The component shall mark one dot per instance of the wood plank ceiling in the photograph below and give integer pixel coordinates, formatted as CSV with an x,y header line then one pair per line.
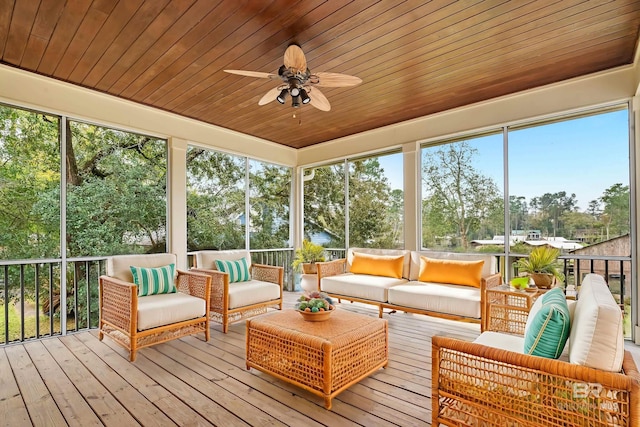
x,y
415,57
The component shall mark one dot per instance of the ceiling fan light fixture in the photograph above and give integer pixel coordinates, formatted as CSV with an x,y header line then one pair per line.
x,y
295,101
283,96
304,96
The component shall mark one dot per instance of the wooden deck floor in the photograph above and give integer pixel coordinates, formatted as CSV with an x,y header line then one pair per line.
x,y
81,381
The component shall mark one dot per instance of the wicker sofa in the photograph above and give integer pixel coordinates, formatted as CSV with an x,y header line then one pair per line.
x,y
491,381
408,293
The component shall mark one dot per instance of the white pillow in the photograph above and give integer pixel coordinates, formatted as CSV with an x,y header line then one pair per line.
x,y
596,339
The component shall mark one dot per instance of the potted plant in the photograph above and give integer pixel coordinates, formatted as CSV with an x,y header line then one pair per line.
x,y
542,266
307,256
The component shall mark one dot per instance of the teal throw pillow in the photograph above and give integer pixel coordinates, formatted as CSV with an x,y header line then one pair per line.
x,y
152,281
549,329
238,270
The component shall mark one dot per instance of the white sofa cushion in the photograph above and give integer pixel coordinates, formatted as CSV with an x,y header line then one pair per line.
x,y
207,259
596,339
118,266
502,341
252,292
360,286
389,252
488,268
510,342
450,299
166,309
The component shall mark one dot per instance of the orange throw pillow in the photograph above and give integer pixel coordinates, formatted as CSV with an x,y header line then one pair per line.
x,y
377,265
467,273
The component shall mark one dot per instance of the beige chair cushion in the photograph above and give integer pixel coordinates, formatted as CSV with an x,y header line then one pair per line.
x,y
510,342
449,299
502,341
206,259
119,266
166,309
488,268
390,252
360,286
596,339
251,292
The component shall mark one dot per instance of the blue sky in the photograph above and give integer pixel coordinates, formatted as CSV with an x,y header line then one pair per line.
x,y
584,156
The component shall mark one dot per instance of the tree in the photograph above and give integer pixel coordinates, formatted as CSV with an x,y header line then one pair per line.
x,y
215,200
615,215
551,209
29,168
372,209
270,187
324,202
462,196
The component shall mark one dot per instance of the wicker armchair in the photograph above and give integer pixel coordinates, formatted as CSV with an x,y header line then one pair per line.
x,y
232,302
163,317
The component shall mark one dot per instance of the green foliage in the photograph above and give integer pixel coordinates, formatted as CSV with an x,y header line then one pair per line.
x,y
458,198
375,210
542,259
216,202
309,252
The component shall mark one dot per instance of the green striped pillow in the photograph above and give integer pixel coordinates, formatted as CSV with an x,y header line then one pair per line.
x,y
152,281
550,326
238,270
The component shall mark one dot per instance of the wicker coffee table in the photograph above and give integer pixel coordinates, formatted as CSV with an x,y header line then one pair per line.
x,y
322,357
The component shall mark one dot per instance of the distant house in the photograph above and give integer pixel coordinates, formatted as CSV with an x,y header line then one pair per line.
x,y
616,247
532,238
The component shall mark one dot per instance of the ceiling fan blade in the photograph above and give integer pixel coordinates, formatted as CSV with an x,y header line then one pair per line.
x,y
336,80
258,74
318,99
294,58
269,96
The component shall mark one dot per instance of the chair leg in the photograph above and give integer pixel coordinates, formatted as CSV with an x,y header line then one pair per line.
x,y
132,355
225,324
207,333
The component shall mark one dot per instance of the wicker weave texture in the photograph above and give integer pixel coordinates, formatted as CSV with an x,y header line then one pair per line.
x,y
507,311
322,357
267,273
331,268
481,386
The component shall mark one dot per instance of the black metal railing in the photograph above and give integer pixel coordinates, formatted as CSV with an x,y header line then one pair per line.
x,y
616,270
34,303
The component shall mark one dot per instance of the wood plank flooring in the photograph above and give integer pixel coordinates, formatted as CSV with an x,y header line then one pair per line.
x,y
78,380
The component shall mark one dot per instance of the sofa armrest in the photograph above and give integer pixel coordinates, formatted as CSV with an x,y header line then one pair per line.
x,y
268,273
331,268
219,288
118,303
194,284
471,380
492,281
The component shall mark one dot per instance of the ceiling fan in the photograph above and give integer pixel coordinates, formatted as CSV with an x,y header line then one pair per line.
x,y
298,81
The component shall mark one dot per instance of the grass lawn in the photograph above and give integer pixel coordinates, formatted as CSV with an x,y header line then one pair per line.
x,y
29,324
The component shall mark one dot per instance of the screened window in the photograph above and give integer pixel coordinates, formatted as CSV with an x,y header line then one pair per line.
x,y
116,191
29,184
324,205
462,197
376,202
216,217
269,202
